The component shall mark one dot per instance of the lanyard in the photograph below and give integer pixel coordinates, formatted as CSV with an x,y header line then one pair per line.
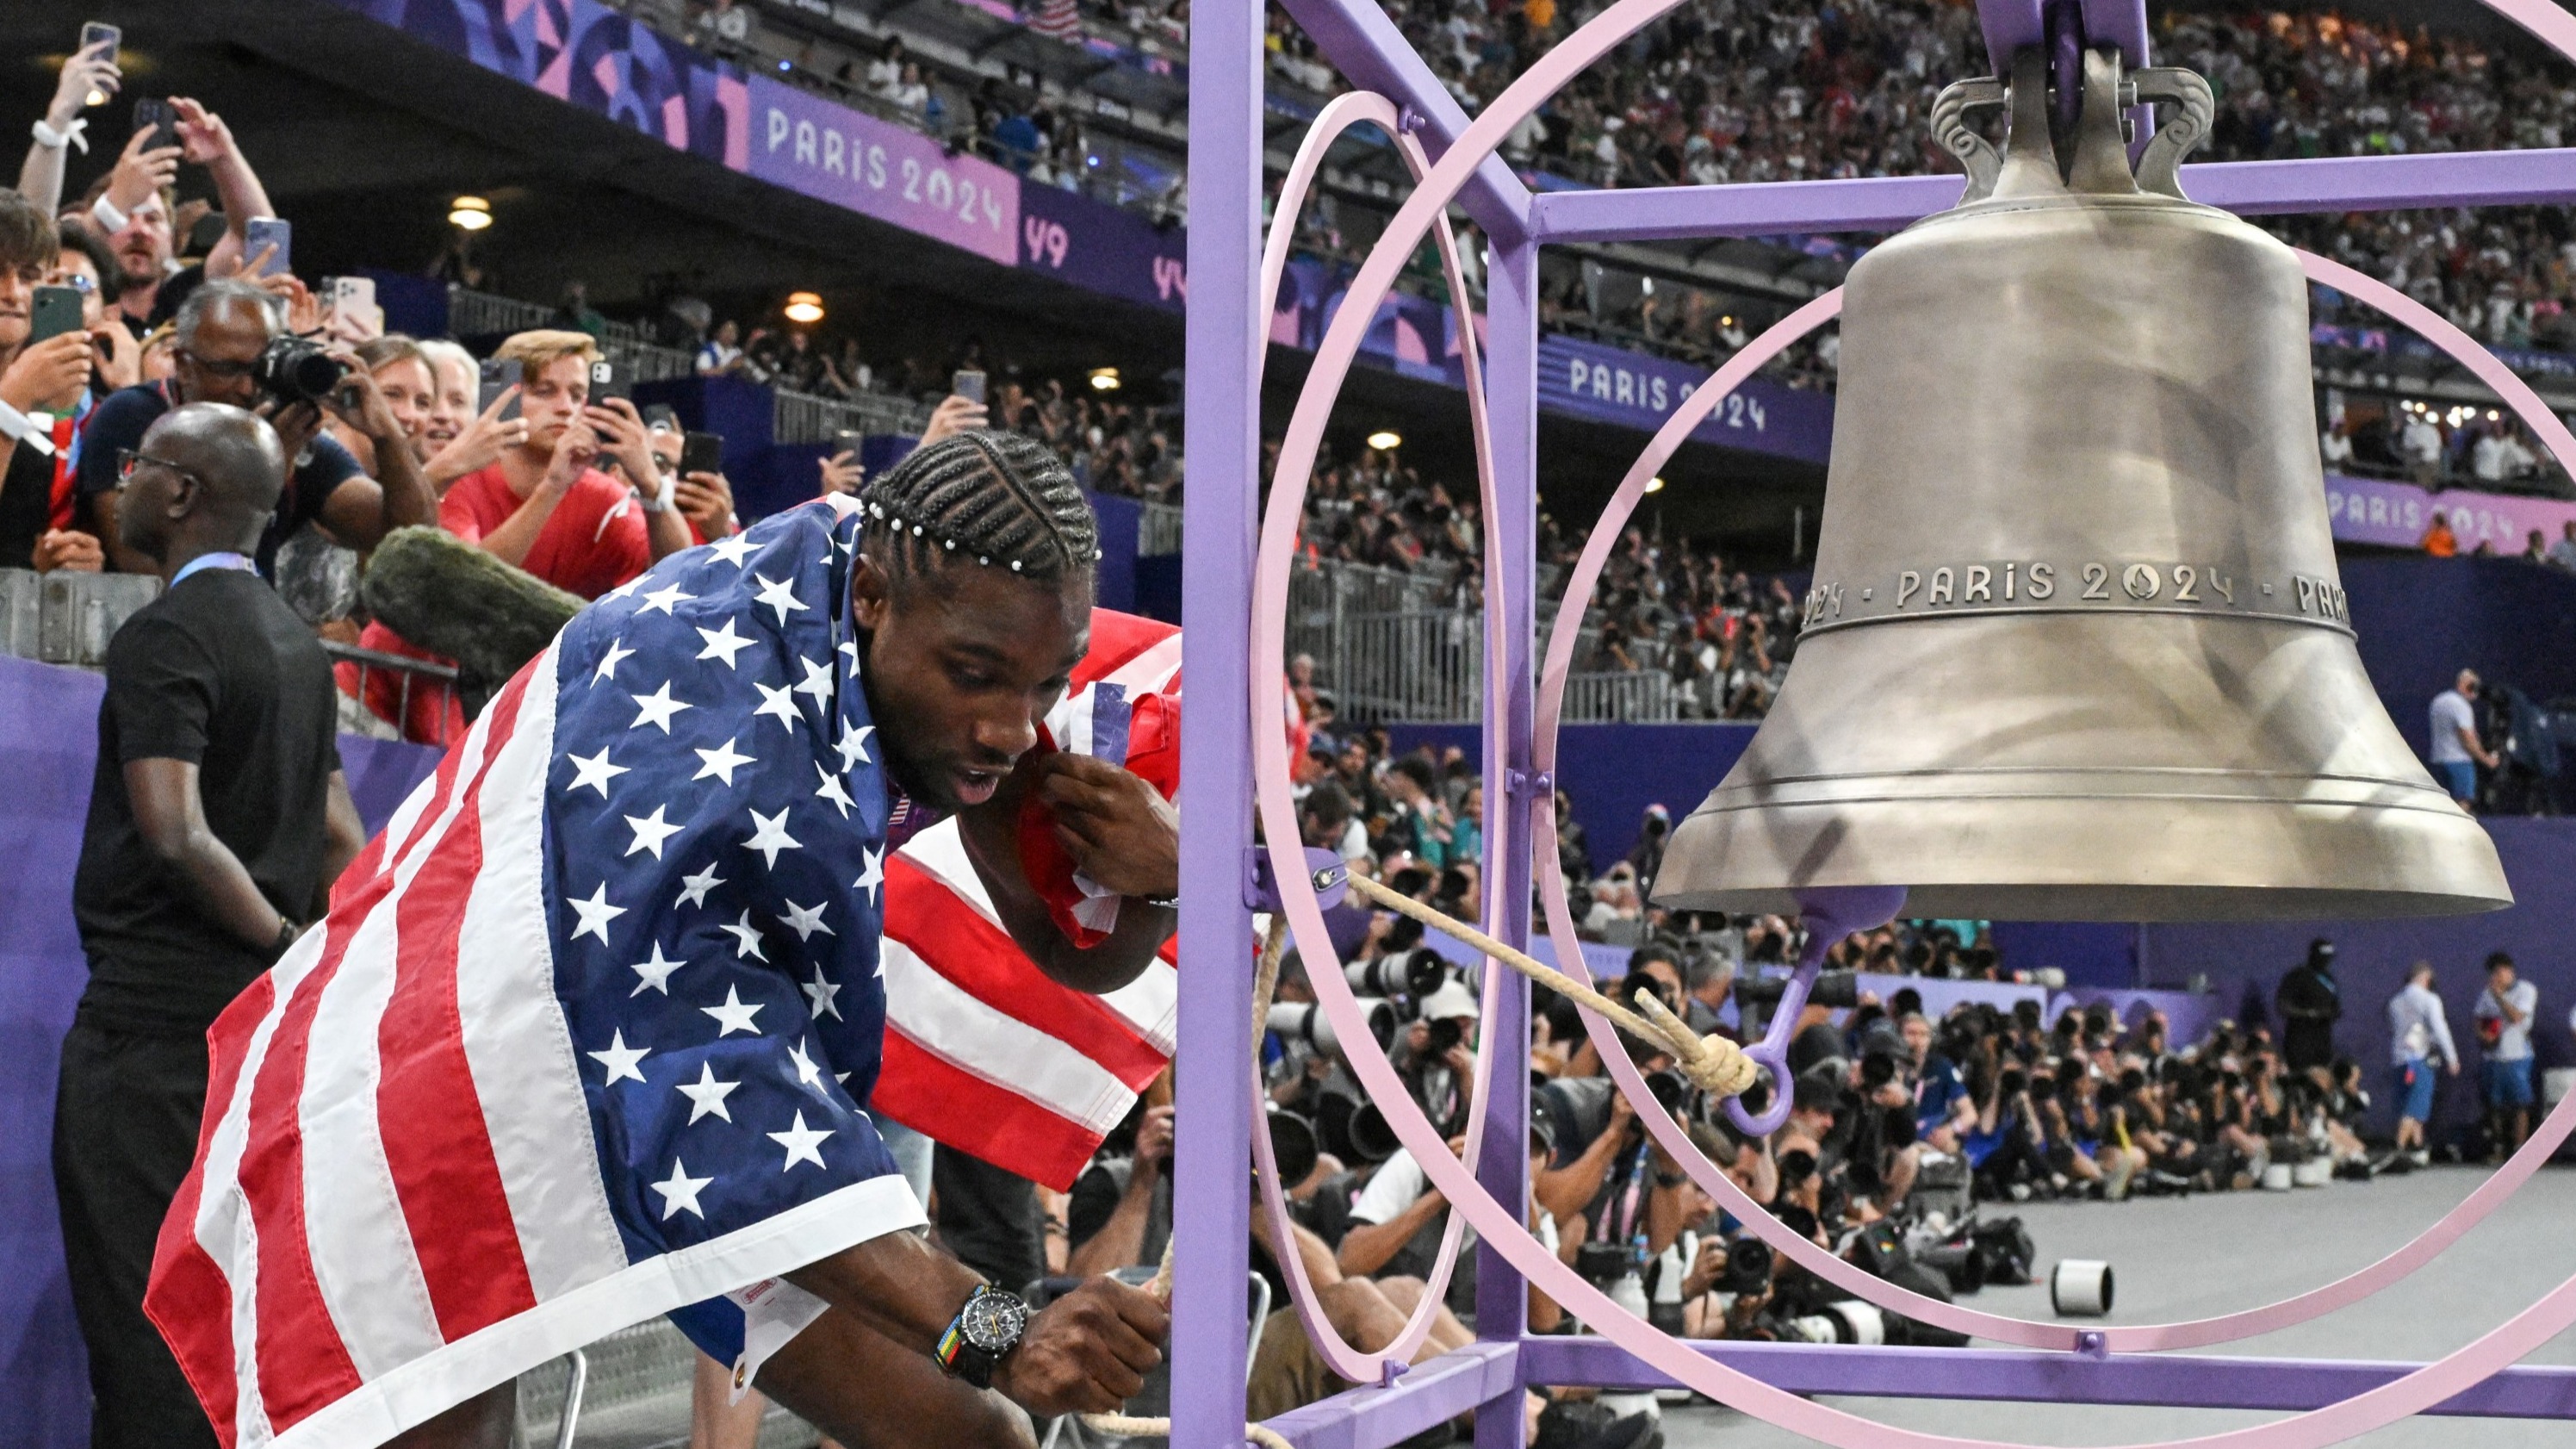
x,y
217,560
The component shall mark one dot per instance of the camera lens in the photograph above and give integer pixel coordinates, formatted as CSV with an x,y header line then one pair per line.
x,y
296,369
1748,1265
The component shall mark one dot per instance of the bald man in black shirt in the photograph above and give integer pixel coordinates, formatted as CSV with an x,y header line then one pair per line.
x,y
218,819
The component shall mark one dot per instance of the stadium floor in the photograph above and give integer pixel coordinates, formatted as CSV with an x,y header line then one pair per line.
x,y
2175,1258
2190,1258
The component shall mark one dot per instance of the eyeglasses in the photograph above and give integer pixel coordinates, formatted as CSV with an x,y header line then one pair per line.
x,y
214,367
129,459
80,282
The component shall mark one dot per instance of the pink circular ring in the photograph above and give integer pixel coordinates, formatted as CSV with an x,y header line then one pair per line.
x,y
1354,1365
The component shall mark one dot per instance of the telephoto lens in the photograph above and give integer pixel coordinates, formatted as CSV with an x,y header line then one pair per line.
x,y
296,369
1371,1139
1415,973
1306,1022
1292,1145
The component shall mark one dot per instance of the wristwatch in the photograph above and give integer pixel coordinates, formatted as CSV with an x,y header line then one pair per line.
x,y
982,1335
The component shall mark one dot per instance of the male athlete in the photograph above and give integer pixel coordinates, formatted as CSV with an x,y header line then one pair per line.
x,y
573,1048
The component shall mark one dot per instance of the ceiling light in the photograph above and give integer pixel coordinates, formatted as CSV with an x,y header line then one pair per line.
x,y
1655,484
469,213
1104,379
804,307
1385,440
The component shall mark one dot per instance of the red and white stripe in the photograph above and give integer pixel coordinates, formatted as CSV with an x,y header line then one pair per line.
x,y
983,1051
362,1245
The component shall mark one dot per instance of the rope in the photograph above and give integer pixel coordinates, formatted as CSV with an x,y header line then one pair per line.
x,y
1714,1064
1265,983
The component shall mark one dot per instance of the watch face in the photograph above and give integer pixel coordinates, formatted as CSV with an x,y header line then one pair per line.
x,y
993,1321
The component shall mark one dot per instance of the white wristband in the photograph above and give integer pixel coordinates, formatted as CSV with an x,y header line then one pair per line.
x,y
36,430
109,219
71,135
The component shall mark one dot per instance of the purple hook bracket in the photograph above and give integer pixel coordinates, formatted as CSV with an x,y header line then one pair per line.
x,y
1325,867
1830,913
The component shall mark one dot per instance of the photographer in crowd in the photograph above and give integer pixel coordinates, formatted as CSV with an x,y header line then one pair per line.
x,y
234,348
2503,1015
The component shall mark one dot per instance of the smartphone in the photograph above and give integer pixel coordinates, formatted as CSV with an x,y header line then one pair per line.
x,y
98,37
607,380
55,311
846,441
968,384
158,117
262,232
498,377
202,237
701,453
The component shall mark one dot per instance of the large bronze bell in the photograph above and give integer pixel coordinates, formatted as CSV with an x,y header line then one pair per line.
x,y
2076,648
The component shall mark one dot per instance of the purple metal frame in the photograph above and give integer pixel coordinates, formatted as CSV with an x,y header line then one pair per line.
x,y
1225,333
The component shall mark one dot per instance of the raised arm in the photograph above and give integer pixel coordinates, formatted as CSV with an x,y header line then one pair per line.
x,y
40,179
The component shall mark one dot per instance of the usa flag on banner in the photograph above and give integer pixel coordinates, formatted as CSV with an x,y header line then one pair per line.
x,y
983,1050
585,1035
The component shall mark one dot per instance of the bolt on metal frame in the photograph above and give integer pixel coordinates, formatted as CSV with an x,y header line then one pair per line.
x,y
1226,335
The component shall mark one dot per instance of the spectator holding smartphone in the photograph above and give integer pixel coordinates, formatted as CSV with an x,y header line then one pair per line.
x,y
542,506
132,207
89,71
42,384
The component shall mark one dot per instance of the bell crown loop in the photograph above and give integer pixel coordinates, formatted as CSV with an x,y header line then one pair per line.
x,y
2032,166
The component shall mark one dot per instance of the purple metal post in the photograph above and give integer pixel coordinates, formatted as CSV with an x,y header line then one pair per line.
x,y
1222,434
2199,1381
1511,390
2253,188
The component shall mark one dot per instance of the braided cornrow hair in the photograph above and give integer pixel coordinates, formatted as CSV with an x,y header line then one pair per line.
x,y
1001,500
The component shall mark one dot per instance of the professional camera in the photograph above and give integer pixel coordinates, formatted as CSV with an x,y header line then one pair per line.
x,y
1849,1320
1368,1136
1672,1090
1306,1022
296,369
1876,1070
1443,1035
1292,1146
1415,973
1748,1266
1603,1264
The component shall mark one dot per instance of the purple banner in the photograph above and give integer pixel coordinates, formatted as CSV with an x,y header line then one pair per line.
x,y
2376,510
589,56
1607,384
584,54
878,169
1102,248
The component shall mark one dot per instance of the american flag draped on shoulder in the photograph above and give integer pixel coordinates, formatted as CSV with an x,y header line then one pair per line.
x,y
584,1037
983,1050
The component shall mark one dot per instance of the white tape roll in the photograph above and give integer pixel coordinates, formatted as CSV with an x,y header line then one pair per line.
x,y
2080,1288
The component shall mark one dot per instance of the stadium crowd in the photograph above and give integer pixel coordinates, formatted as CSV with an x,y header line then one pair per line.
x,y
1726,91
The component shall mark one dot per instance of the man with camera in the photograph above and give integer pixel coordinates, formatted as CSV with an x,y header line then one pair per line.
x,y
233,348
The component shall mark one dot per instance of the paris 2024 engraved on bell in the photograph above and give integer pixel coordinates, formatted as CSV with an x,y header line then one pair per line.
x,y
2076,649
